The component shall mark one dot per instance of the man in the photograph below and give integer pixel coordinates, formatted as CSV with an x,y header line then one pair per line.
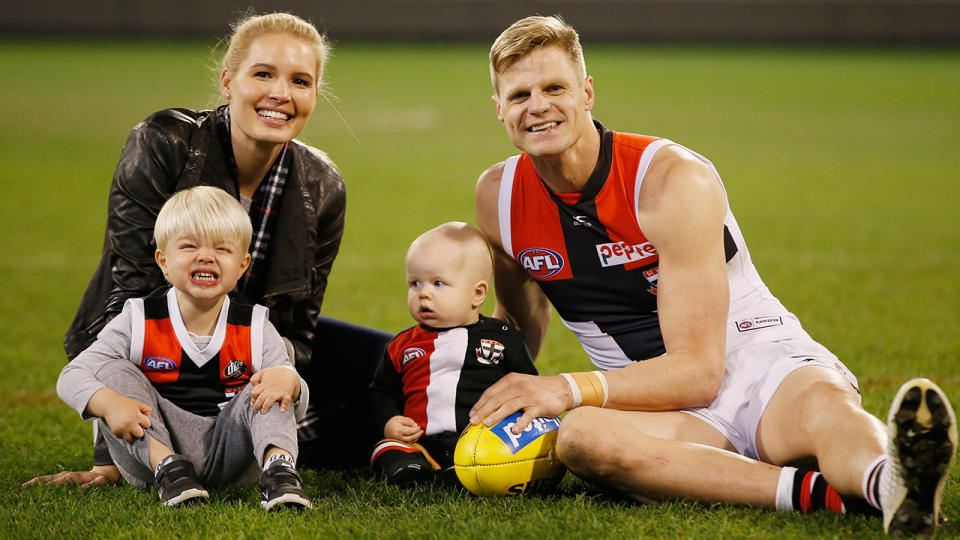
x,y
709,385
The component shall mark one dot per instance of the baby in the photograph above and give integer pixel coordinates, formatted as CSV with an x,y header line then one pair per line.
x,y
433,373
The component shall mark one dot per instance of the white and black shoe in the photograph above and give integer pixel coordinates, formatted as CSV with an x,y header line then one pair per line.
x,y
922,440
280,485
177,482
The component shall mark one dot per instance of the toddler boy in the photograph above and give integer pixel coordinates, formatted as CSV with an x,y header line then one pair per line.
x,y
193,389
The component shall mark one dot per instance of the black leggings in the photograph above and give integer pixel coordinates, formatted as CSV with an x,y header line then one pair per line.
x,y
338,429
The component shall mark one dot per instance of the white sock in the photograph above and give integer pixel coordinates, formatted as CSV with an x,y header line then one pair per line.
x,y
871,481
785,489
275,457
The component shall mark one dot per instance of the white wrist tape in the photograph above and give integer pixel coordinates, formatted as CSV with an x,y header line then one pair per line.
x,y
574,389
606,389
588,388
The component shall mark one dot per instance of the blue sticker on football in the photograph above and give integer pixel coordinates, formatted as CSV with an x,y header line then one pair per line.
x,y
516,442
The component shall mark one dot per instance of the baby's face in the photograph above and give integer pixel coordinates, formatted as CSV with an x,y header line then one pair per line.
x,y
442,288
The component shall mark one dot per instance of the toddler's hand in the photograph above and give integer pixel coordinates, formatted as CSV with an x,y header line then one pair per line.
x,y
279,384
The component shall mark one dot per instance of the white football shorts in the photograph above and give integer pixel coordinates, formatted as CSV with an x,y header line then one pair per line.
x,y
752,374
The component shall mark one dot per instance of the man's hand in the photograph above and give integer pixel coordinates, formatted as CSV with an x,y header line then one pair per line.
x,y
536,395
100,475
402,428
278,384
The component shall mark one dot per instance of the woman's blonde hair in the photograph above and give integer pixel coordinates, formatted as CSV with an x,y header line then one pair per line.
x,y
205,212
249,28
530,34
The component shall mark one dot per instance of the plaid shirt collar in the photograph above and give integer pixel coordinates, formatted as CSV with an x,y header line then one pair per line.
x,y
263,209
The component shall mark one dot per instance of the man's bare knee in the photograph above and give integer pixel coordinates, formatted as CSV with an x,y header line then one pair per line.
x,y
824,403
576,442
588,451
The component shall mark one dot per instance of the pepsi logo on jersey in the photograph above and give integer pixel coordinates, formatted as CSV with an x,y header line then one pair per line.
x,y
540,262
158,363
616,253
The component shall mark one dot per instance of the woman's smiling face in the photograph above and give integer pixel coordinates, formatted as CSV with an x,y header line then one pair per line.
x,y
273,92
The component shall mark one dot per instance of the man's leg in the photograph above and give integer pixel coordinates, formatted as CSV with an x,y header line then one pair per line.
x,y
660,455
816,412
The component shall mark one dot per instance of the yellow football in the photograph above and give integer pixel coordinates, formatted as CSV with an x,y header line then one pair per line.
x,y
494,461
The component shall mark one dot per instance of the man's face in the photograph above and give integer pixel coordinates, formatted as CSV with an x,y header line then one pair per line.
x,y
544,102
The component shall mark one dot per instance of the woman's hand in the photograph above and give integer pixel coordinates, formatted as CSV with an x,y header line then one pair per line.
x,y
100,475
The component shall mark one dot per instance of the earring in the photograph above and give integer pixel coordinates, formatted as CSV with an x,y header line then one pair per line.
x,y
227,95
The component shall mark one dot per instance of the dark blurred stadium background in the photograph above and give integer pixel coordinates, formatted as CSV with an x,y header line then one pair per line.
x,y
935,22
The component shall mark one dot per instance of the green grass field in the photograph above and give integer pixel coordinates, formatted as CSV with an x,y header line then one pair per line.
x,y
841,166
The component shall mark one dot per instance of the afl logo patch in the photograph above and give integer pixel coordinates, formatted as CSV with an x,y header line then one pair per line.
x,y
412,354
755,323
234,370
158,363
540,262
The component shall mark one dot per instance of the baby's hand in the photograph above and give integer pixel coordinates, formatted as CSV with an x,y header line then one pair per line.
x,y
402,428
272,385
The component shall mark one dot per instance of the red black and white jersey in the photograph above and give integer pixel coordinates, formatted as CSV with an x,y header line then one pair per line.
x,y
435,376
199,381
590,257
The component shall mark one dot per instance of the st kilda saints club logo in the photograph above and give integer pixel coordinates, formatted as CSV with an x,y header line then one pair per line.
x,y
489,352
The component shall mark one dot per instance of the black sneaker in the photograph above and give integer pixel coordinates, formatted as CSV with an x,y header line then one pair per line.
x,y
401,463
922,434
177,482
280,484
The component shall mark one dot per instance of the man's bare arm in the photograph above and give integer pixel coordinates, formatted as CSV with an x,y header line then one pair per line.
x,y
519,299
681,211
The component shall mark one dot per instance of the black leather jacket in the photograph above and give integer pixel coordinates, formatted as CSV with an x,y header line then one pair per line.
x,y
176,149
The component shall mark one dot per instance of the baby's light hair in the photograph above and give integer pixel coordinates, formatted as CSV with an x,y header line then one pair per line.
x,y
206,212
475,246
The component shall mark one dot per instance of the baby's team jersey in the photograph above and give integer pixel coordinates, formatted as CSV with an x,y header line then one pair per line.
x,y
199,381
590,257
435,376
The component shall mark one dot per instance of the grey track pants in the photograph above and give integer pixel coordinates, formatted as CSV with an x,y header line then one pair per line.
x,y
224,449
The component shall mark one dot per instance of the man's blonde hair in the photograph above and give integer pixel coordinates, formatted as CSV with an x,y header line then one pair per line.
x,y
205,212
530,34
